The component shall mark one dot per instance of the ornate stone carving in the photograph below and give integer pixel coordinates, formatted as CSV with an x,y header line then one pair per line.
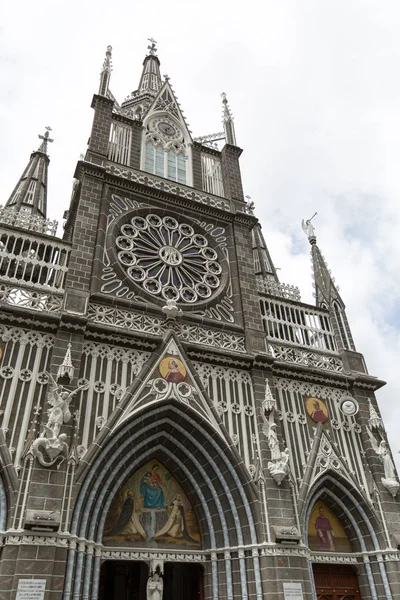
x,y
278,466
66,368
171,187
155,586
51,446
383,451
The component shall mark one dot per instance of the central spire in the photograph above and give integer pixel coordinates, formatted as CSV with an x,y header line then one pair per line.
x,y
149,85
150,80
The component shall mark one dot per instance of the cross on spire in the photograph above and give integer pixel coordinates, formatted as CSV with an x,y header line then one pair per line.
x,y
152,49
46,139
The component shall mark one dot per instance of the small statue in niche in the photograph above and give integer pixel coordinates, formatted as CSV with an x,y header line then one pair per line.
x,y
155,586
382,450
51,446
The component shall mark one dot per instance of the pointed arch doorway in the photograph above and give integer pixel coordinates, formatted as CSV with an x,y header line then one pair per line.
x,y
127,580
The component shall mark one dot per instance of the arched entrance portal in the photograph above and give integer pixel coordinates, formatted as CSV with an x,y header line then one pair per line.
x,y
336,582
127,580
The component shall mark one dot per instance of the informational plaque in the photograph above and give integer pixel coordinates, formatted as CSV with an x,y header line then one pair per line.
x,y
31,589
293,591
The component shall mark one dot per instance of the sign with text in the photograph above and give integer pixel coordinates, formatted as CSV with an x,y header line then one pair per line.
x,y
31,589
293,591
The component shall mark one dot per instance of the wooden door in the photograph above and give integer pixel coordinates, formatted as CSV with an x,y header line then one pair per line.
x,y
336,582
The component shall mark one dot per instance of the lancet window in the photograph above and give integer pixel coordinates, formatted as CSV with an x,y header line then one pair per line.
x,y
165,152
212,174
119,146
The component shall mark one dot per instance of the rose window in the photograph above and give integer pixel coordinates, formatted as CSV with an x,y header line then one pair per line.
x,y
168,259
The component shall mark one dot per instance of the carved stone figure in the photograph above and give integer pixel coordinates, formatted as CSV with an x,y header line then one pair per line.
x,y
382,450
59,412
269,430
155,586
280,468
50,446
49,450
308,228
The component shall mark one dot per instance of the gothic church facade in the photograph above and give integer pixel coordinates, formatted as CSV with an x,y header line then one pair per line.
x,y
176,423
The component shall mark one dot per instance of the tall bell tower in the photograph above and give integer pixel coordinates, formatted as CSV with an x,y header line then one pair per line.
x,y
177,423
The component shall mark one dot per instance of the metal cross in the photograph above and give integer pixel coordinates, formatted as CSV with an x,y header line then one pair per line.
x,y
152,48
46,137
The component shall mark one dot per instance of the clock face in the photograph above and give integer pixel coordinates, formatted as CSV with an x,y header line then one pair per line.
x,y
167,129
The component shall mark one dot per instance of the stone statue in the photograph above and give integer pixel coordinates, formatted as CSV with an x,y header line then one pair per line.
x,y
308,228
155,586
59,412
280,468
382,450
52,446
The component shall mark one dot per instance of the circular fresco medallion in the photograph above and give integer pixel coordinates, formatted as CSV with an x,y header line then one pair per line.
x,y
317,410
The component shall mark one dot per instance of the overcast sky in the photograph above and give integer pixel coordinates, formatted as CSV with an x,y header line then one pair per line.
x,y
314,87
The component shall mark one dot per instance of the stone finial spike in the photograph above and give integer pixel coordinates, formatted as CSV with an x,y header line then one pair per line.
x,y
374,421
106,73
269,402
45,140
227,120
66,368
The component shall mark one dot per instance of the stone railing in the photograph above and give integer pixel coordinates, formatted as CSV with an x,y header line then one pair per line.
x,y
33,269
24,220
299,325
275,288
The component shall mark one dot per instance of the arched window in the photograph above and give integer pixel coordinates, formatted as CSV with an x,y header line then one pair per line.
x,y
165,151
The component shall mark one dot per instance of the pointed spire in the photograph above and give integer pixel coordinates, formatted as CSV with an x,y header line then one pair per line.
x,y
374,421
30,193
263,265
66,369
326,291
150,81
149,85
227,120
106,73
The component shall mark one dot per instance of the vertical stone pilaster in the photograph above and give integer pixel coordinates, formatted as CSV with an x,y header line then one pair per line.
x,y
231,172
99,137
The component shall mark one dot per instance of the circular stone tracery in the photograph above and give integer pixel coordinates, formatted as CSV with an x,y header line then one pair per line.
x,y
168,258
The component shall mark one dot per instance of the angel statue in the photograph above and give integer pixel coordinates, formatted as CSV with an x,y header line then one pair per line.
x,y
382,450
155,586
59,399
308,227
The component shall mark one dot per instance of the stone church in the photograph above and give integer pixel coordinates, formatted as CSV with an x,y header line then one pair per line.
x,y
176,423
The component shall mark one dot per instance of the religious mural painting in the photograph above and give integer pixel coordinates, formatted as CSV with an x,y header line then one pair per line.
x,y
325,532
172,369
317,410
151,509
